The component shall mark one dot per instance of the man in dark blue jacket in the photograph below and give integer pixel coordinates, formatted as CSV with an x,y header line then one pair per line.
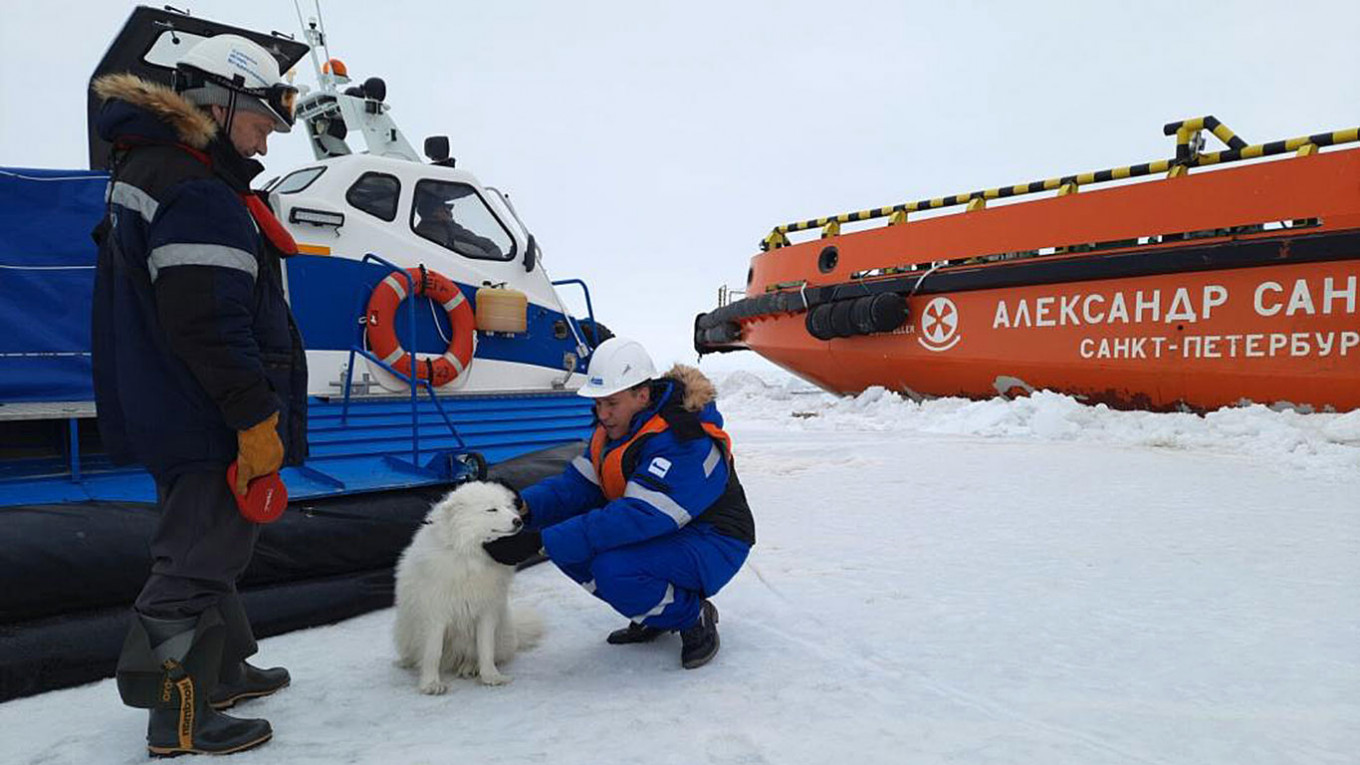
x,y
652,518
197,364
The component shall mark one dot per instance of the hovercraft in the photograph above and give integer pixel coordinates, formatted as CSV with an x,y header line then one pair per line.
x,y
436,353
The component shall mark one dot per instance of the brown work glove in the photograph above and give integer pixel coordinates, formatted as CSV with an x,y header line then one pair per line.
x,y
259,452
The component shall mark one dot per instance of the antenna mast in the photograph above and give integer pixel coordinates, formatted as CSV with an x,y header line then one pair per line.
x,y
316,37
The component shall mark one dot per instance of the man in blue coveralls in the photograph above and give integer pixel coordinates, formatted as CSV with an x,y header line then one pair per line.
x,y
651,518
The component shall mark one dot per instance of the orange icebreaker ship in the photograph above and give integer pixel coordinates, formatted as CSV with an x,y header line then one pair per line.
x,y
1190,290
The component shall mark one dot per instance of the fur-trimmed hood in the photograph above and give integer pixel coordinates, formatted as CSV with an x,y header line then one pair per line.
x,y
685,398
699,390
189,124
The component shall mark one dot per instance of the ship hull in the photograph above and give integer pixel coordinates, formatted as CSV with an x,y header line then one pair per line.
x,y
1189,293
1269,334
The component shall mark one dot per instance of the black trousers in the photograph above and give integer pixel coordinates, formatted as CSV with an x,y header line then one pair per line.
x,y
200,549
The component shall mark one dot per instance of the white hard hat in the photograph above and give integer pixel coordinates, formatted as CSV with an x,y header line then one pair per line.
x,y
207,72
617,364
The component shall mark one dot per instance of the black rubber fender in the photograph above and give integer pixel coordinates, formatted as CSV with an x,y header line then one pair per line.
x,y
886,311
818,322
841,323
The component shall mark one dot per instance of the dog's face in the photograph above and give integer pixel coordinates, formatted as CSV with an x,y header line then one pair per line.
x,y
477,512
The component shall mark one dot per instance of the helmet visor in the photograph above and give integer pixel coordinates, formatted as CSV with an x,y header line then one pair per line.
x,y
282,101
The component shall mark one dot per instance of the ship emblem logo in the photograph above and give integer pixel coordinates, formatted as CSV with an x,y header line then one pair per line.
x,y
939,325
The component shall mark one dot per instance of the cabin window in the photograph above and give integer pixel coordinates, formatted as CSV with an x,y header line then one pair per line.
x,y
454,216
375,194
299,180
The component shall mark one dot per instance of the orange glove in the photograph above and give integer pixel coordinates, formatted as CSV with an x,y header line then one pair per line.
x,y
259,452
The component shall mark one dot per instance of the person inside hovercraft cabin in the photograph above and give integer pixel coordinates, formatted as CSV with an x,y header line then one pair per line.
x,y
435,222
197,365
651,518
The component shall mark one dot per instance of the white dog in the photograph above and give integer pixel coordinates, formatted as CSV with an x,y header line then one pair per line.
x,y
452,598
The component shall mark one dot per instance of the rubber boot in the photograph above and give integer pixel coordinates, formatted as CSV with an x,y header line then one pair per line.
x,y
634,633
243,680
700,640
238,679
170,666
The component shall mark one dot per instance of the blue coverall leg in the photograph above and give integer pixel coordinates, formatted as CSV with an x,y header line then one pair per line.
x,y
662,582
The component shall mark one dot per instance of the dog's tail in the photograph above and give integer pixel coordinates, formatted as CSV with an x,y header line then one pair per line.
x,y
528,626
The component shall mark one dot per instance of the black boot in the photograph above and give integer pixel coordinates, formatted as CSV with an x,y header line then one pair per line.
x,y
170,666
700,640
240,680
634,633
246,681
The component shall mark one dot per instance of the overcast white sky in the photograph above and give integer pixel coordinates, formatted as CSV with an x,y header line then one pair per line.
x,y
651,145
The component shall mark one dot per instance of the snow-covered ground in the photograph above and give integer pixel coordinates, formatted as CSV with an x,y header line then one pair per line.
x,y
1028,581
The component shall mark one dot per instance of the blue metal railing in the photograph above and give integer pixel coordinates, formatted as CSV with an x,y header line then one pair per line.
x,y
357,347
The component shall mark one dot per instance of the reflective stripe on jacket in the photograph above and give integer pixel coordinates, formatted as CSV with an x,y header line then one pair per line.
x,y
192,337
673,469
608,463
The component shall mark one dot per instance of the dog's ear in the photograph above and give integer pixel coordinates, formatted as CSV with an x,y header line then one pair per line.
x,y
506,484
518,501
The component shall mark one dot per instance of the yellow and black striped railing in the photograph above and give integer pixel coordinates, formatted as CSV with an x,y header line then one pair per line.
x,y
1187,155
1187,131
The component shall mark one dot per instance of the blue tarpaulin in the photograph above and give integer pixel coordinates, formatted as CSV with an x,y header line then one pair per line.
x,y
47,261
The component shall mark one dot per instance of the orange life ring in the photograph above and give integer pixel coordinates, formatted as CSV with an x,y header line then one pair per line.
x,y
382,325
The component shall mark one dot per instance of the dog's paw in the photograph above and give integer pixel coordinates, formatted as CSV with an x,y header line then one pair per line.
x,y
496,679
465,670
433,687
403,662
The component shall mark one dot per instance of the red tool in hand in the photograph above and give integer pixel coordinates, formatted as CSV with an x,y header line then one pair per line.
x,y
265,498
